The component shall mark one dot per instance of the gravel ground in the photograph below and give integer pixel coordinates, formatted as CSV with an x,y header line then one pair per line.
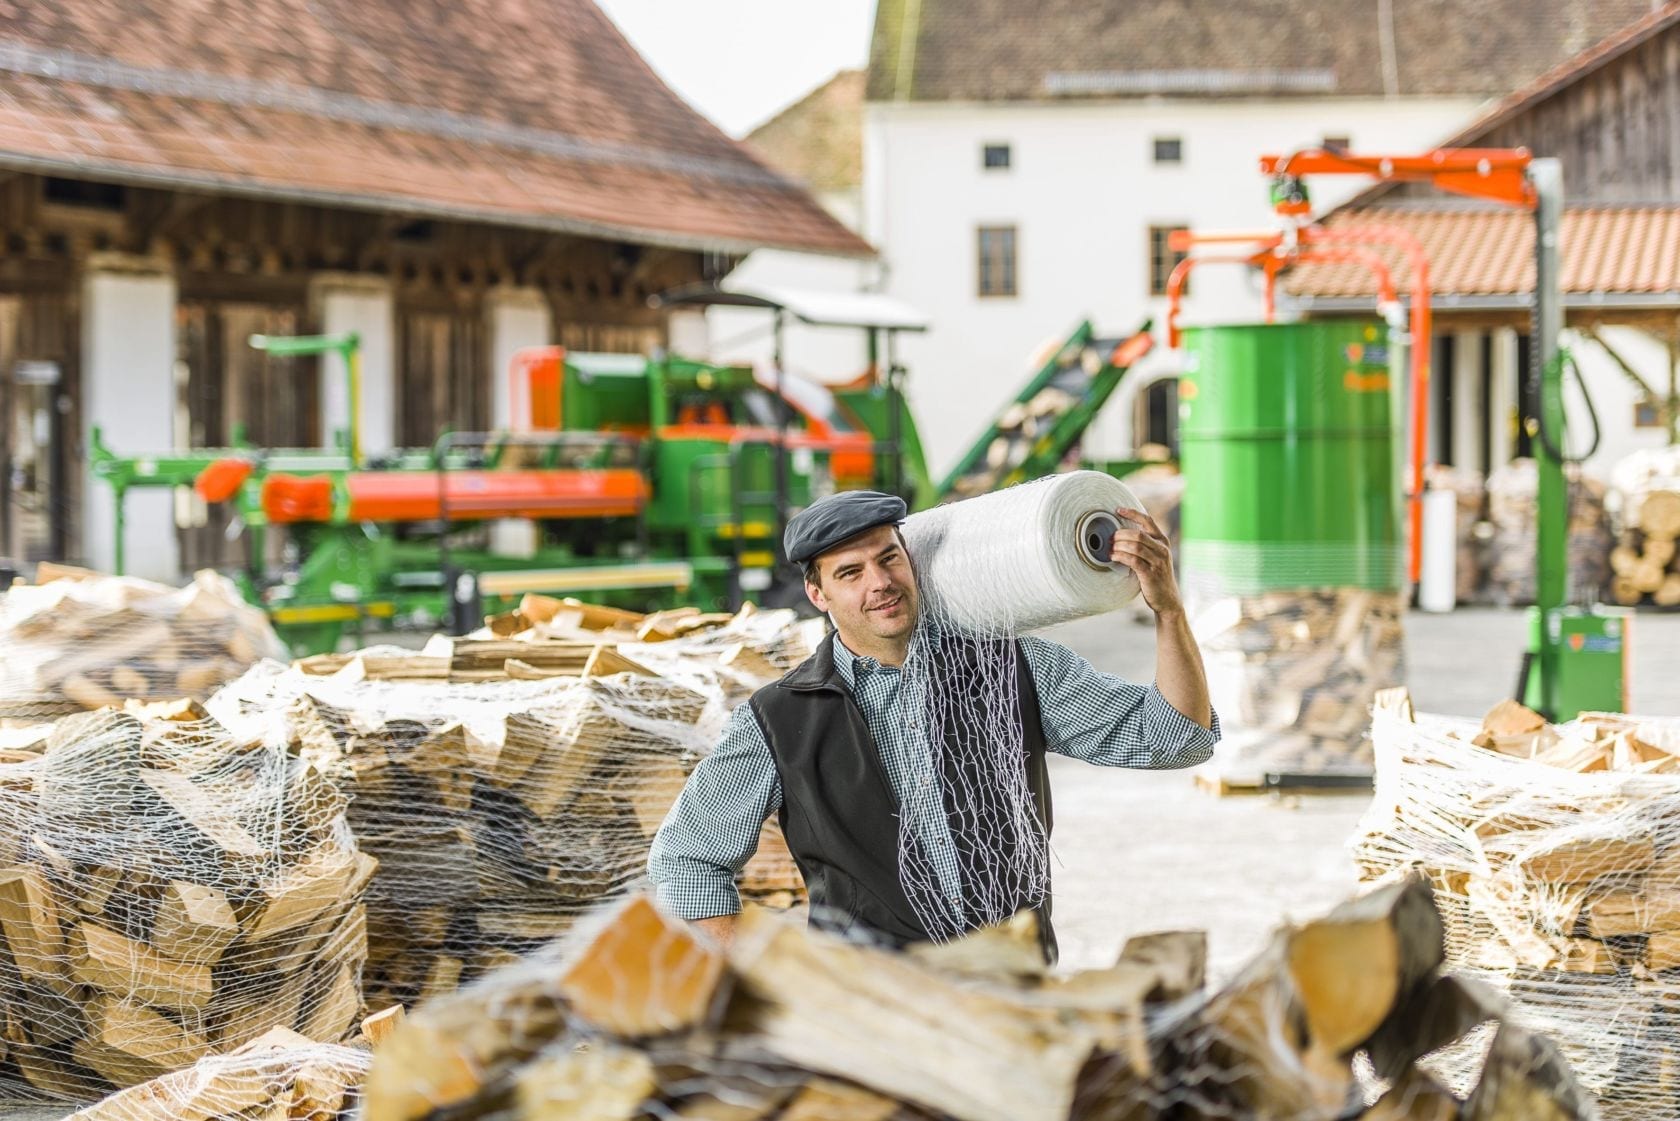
x,y
1139,851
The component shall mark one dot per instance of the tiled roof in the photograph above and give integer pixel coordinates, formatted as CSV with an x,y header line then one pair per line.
x,y
1005,50
528,112
819,138
1604,251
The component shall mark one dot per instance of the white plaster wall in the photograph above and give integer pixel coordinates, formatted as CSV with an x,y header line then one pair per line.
x,y
363,305
128,360
824,354
1083,190
519,318
1614,395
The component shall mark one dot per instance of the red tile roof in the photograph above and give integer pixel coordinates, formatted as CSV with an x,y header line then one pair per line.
x,y
1604,250
526,112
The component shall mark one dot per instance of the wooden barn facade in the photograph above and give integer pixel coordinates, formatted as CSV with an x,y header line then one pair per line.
x,y
452,184
1611,115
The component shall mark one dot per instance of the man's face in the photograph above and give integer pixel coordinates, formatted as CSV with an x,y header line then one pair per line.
x,y
867,586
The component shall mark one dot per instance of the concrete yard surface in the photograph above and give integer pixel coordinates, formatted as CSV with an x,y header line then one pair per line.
x,y
1137,851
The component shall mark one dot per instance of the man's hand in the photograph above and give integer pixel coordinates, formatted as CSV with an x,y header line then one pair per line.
x,y
1146,552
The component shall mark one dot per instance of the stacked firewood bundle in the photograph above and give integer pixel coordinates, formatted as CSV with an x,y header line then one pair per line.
x,y
79,641
279,1076
1555,855
1646,566
503,807
645,1019
167,891
1514,511
1292,675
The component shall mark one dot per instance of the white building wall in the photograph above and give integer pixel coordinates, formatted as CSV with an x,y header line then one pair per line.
x,y
362,304
1083,191
519,318
824,354
128,379
1613,395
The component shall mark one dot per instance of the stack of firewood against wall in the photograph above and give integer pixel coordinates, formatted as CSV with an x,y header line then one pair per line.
x,y
1555,856
510,780
77,640
167,891
1645,562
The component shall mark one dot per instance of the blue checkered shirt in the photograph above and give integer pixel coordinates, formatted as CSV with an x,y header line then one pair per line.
x,y
712,830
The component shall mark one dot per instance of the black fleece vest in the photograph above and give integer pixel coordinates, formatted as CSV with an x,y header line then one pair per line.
x,y
839,813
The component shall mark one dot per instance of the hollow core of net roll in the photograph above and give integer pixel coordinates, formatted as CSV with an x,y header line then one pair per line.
x,y
1095,538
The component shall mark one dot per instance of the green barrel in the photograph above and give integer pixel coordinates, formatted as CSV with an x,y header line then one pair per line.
x,y
1289,452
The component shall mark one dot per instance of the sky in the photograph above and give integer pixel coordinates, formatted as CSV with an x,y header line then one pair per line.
x,y
741,61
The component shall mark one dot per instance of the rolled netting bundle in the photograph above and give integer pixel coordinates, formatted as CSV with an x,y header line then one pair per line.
x,y
502,807
635,1016
79,640
1292,674
989,569
280,1076
1555,856
168,891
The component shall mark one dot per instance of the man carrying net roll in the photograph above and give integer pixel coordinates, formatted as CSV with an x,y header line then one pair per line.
x,y
905,762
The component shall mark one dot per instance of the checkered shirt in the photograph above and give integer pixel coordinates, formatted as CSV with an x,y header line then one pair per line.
x,y
712,830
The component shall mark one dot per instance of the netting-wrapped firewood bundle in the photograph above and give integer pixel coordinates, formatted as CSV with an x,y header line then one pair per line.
x,y
640,1018
1647,493
1555,855
81,641
1514,511
167,891
507,785
1292,675
279,1076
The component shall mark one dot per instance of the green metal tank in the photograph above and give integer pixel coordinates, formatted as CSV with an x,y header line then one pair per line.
x,y
1289,451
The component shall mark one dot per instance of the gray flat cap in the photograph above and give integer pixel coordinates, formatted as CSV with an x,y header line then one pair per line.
x,y
830,520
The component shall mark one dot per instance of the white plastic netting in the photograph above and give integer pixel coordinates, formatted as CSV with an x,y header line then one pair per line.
x,y
1292,675
635,1016
502,807
1555,856
168,890
79,641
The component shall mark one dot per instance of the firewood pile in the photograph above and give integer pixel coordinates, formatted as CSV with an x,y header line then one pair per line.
x,y
78,641
1514,511
167,891
1292,675
1469,491
643,1018
1555,860
1646,567
509,784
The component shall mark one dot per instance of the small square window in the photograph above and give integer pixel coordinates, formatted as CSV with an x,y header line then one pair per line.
x,y
1169,149
1163,259
997,261
1336,143
994,157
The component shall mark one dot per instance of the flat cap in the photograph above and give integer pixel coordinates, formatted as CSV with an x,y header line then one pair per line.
x,y
832,519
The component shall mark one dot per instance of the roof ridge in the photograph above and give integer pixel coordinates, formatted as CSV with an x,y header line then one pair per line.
x,y
109,73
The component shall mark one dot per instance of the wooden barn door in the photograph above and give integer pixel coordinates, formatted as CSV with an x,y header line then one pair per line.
x,y
443,380
226,390
40,511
